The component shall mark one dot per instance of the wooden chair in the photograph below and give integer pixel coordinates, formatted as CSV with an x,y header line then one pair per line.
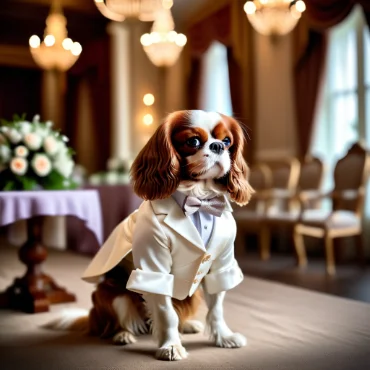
x,y
309,184
248,218
345,219
279,177
308,187
285,175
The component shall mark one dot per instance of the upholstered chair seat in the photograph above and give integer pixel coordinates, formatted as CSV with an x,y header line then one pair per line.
x,y
345,217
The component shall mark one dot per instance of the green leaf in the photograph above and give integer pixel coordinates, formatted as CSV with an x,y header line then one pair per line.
x,y
54,181
10,185
28,183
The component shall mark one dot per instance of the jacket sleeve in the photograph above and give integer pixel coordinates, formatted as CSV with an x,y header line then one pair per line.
x,y
224,273
152,257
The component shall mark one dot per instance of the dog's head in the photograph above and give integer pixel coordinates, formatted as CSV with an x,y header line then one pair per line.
x,y
193,145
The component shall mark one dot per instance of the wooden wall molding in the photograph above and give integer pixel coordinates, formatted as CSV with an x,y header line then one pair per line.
x,y
16,56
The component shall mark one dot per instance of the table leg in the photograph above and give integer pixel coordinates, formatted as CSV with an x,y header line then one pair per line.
x,y
35,291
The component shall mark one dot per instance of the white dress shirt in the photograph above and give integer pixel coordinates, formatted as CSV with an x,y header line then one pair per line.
x,y
203,221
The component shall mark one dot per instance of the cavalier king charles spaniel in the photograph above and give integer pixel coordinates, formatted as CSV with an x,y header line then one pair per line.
x,y
196,155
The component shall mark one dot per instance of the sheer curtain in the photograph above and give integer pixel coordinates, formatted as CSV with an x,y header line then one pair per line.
x,y
214,80
338,113
343,116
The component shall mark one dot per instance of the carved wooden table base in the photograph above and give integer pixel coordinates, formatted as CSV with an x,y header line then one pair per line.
x,y
35,291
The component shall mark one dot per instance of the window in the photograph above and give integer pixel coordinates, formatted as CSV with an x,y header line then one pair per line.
x,y
215,84
344,110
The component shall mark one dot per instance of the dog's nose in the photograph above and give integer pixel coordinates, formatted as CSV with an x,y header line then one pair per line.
x,y
217,148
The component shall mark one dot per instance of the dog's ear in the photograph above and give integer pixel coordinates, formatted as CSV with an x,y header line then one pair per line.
x,y
155,173
236,181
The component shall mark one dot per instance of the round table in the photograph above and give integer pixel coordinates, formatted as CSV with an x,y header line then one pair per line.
x,y
35,291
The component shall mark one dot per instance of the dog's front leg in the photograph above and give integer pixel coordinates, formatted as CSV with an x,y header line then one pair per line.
x,y
165,328
216,325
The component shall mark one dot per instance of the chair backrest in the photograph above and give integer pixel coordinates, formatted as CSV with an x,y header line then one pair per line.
x,y
285,173
311,174
350,177
260,178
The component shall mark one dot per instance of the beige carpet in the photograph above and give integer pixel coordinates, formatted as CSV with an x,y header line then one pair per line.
x,y
287,328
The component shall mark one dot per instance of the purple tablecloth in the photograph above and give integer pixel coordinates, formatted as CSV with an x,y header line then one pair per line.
x,y
117,202
83,204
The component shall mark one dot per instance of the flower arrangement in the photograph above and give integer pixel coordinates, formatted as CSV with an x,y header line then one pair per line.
x,y
34,156
117,174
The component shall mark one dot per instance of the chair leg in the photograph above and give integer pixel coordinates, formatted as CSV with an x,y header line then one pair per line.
x,y
299,248
329,250
264,243
360,248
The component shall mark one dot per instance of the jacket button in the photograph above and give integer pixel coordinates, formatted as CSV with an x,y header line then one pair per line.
x,y
206,258
195,281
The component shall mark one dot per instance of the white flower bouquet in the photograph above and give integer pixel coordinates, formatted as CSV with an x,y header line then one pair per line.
x,y
34,156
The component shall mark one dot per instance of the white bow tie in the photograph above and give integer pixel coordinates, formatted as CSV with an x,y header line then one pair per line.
x,y
214,206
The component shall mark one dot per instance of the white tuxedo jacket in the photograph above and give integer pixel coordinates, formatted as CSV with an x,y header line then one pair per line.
x,y
168,253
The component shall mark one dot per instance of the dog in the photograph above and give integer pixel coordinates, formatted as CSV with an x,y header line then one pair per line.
x,y
160,262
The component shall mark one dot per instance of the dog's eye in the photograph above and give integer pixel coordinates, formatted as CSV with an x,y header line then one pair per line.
x,y
193,142
227,141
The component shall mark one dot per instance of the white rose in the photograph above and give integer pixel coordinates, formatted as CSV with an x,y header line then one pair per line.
x,y
5,153
41,165
111,178
62,148
14,136
18,166
33,141
95,179
21,151
42,131
113,164
63,165
25,127
51,145
49,124
36,118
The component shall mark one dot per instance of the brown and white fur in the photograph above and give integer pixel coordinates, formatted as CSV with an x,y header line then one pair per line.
x,y
201,154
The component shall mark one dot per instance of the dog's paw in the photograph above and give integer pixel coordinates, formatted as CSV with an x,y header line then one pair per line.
x,y
235,340
171,353
124,337
192,327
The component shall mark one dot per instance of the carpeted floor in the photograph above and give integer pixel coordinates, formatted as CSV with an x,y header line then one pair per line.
x,y
287,329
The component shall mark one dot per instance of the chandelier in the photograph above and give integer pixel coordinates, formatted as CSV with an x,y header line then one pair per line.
x,y
274,17
163,45
144,10
100,4
57,50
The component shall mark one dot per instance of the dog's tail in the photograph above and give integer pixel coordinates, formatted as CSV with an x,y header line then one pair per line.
x,y
70,320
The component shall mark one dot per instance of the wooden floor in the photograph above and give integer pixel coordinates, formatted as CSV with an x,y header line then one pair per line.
x,y
351,280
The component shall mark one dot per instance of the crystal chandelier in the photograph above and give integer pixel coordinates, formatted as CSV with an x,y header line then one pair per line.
x,y
57,50
144,10
100,4
163,45
274,17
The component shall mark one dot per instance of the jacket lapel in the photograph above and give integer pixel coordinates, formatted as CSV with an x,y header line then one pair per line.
x,y
222,231
177,221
